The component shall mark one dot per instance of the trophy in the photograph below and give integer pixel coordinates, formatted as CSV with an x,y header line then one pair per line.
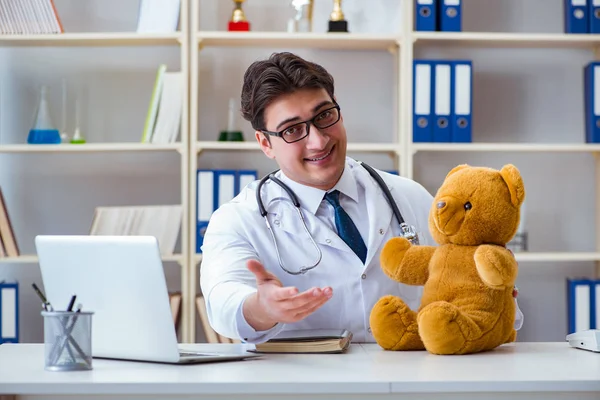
x,y
238,20
337,23
302,21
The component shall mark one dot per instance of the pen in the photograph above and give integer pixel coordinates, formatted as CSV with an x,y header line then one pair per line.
x,y
45,302
71,303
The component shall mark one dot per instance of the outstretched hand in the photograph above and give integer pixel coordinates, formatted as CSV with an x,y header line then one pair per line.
x,y
273,303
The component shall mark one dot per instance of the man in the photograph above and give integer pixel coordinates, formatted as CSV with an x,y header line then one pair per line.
x,y
252,287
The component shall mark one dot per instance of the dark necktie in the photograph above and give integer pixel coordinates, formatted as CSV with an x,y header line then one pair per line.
x,y
345,227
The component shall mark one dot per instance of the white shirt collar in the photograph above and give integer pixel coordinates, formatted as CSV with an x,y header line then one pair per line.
x,y
310,198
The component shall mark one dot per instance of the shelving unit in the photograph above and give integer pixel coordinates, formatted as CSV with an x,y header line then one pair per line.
x,y
402,46
191,42
180,40
590,42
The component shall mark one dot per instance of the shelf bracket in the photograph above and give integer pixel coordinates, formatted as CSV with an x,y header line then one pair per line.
x,y
200,45
393,49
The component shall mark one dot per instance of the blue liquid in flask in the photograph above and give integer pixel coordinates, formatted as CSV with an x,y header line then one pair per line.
x,y
43,131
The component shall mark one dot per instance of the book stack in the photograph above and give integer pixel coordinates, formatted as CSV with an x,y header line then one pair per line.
x,y
164,111
8,243
162,222
29,17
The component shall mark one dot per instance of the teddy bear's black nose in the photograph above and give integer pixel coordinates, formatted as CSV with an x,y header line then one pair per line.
x,y
441,204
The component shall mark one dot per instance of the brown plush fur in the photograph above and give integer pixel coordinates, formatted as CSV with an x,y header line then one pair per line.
x,y
467,304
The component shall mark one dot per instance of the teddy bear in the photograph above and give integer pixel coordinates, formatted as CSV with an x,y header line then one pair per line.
x,y
467,305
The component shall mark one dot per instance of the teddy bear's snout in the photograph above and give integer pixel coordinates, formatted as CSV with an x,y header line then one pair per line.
x,y
441,204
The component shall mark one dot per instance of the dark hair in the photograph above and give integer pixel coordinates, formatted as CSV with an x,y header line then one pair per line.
x,y
281,73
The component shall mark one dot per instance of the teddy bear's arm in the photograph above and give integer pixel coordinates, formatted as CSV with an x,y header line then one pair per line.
x,y
406,263
496,266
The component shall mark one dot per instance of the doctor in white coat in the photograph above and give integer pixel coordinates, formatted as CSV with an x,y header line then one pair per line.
x,y
253,294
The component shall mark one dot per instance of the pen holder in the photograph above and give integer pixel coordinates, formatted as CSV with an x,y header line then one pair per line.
x,y
67,340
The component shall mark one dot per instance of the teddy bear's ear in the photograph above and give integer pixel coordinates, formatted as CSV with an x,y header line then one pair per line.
x,y
456,169
512,177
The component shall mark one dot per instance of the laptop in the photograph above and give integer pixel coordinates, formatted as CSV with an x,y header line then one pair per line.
x,y
121,279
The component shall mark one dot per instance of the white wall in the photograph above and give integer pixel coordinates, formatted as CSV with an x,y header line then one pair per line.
x,y
520,95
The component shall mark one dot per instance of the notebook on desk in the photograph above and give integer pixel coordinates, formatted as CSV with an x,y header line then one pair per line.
x,y
308,341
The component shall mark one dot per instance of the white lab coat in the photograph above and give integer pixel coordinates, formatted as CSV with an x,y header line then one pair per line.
x,y
237,233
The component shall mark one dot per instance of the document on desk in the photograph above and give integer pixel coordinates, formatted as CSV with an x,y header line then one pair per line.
x,y
308,341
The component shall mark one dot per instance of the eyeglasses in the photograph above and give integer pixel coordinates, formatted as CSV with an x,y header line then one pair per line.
x,y
299,131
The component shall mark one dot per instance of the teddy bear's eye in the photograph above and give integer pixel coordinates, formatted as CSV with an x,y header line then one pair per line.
x,y
468,205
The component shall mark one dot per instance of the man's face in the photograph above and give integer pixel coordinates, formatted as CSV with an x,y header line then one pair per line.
x,y
317,160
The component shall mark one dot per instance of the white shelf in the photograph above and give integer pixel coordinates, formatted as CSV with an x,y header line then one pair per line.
x,y
336,41
557,257
492,39
32,259
88,147
93,39
513,147
252,145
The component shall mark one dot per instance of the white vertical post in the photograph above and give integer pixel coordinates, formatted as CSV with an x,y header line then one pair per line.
x,y
405,88
193,166
184,263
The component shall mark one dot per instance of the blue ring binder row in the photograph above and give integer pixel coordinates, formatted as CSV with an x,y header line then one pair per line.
x,y
214,188
442,101
580,16
438,15
9,312
583,304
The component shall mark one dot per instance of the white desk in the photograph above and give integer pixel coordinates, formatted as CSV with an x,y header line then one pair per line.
x,y
516,371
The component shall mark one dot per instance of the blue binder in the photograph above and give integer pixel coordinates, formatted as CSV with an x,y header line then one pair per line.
x,y
426,15
594,15
205,203
579,304
245,177
595,304
576,16
450,15
592,102
423,81
9,312
462,101
216,187
442,100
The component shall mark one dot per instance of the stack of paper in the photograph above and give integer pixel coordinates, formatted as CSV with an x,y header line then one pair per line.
x,y
162,222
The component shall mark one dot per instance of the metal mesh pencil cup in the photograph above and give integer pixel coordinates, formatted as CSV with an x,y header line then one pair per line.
x,y
67,340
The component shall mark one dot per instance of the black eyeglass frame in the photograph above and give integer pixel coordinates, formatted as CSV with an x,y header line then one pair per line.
x,y
307,123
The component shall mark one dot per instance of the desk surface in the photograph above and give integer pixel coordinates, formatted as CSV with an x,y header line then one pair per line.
x,y
516,367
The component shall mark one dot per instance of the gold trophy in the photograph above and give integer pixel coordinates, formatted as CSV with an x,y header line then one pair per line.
x,y
238,21
302,20
337,22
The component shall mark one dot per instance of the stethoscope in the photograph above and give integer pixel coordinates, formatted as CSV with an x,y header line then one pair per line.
x,y
407,231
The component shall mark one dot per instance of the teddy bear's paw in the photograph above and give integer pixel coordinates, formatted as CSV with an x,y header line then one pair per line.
x,y
392,255
440,329
394,325
496,266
